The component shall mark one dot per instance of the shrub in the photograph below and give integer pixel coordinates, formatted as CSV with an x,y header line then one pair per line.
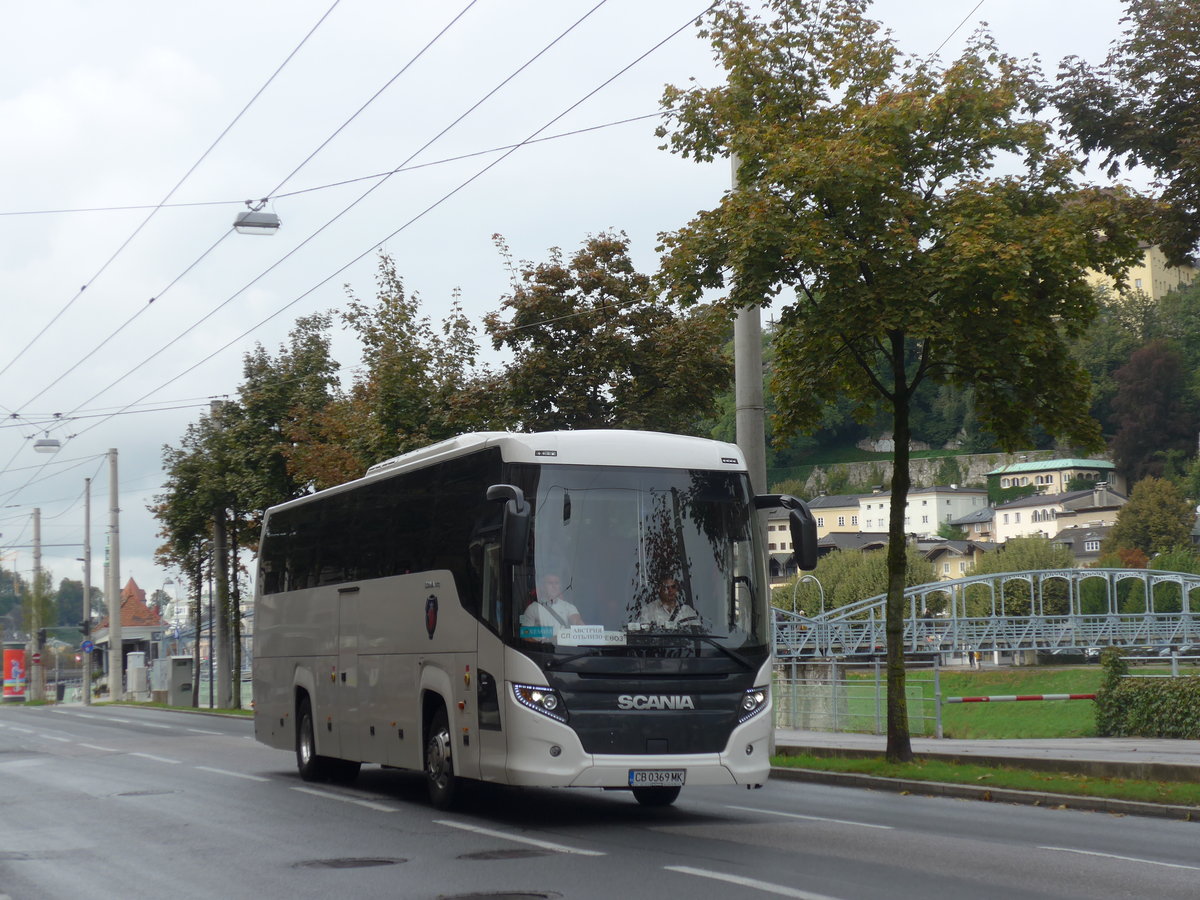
x,y
1145,707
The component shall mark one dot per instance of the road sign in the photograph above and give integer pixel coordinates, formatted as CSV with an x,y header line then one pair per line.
x,y
87,646
37,659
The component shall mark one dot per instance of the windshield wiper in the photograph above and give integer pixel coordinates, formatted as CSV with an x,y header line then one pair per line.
x,y
732,654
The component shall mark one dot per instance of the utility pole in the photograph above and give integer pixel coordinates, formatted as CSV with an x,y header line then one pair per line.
x,y
116,659
221,572
36,683
87,589
749,407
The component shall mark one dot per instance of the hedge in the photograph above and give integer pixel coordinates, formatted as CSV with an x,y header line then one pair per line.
x,y
1146,707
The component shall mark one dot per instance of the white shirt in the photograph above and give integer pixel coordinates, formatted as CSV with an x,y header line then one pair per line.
x,y
557,613
656,613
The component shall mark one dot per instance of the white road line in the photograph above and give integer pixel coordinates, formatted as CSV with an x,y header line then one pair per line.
x,y
97,747
122,721
152,725
771,812
19,728
1149,862
232,774
520,839
202,731
51,737
331,796
161,759
779,889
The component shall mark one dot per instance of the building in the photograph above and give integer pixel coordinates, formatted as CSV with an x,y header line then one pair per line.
x,y
926,511
1084,541
978,525
1054,476
835,512
956,559
142,629
1047,514
1152,276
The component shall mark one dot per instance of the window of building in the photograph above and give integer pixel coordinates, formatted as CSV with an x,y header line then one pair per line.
x,y
820,521
854,520
1091,546
924,520
1006,518
945,568
841,521
962,567
1017,518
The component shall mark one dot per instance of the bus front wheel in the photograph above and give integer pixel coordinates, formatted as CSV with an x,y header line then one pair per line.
x,y
655,796
439,762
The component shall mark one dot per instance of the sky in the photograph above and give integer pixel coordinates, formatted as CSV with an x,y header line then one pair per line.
x,y
135,131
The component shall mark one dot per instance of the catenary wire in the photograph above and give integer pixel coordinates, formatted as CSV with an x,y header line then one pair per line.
x,y
169,194
142,309
334,219
414,219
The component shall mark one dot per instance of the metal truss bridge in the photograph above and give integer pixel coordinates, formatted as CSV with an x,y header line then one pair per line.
x,y
1048,610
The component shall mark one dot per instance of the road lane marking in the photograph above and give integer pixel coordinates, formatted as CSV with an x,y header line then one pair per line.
x,y
152,725
51,737
97,747
779,889
1149,862
520,839
331,796
202,731
19,728
771,812
233,774
161,759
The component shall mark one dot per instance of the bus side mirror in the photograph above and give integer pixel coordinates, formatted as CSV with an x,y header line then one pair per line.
x,y
515,539
802,525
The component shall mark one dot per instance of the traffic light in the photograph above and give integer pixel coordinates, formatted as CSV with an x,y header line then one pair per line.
x,y
85,628
41,641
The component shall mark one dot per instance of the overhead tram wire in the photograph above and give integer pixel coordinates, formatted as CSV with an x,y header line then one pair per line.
x,y
82,359
339,215
169,193
414,219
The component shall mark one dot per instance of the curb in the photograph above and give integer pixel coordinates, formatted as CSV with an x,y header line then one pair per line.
x,y
989,794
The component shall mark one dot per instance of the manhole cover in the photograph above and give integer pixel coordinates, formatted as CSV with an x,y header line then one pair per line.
x,y
351,862
516,853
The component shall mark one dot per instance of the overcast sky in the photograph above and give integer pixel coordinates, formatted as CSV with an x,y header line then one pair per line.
x,y
111,104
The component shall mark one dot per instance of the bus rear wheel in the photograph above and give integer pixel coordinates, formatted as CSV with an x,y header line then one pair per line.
x,y
655,796
439,762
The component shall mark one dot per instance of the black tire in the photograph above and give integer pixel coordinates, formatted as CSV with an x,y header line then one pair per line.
x,y
310,766
439,762
655,796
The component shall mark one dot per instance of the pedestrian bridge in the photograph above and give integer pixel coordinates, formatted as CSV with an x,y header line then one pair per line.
x,y
1064,610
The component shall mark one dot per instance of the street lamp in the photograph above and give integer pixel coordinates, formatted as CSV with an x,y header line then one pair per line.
x,y
820,590
255,221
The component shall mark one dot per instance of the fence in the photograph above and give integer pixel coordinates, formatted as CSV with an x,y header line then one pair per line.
x,y
834,696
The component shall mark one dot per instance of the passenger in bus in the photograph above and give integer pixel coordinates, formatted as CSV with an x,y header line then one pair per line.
x,y
549,606
667,609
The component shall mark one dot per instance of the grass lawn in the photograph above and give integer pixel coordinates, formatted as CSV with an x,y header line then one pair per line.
x,y
1175,793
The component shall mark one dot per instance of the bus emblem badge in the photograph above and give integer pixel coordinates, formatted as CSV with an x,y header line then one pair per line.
x,y
431,609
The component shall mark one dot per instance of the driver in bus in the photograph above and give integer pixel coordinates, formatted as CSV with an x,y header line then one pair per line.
x,y
549,607
667,609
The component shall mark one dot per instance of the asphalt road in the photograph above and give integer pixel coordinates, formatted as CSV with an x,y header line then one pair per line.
x,y
108,802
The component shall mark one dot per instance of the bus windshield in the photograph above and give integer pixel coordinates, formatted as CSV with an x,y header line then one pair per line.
x,y
627,559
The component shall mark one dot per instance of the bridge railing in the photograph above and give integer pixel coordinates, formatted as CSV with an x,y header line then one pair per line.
x,y
1158,616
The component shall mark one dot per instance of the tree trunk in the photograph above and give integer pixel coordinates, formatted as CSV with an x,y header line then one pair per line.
x,y
899,744
197,623
235,605
224,697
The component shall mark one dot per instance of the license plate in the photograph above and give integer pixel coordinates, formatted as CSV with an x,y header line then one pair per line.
x,y
657,777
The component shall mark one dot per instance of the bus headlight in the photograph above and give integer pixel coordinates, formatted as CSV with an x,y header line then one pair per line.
x,y
754,701
540,699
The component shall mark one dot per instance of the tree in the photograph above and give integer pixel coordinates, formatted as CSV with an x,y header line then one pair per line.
x,y
595,346
847,576
1156,519
1022,554
1139,108
866,188
1153,411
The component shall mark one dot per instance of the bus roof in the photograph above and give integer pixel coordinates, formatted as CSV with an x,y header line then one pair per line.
x,y
608,447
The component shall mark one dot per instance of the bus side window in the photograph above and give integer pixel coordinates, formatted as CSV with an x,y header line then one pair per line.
x,y
493,606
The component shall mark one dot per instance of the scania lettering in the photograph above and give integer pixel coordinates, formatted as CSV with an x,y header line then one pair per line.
x,y
641,701
566,609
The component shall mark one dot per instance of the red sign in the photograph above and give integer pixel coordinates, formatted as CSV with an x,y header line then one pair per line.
x,y
37,659
14,674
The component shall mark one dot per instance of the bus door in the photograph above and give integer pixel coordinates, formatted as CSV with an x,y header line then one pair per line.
x,y
347,715
495,618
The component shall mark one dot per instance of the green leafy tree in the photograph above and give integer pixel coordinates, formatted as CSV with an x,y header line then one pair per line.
x,y
866,191
1139,108
1154,413
595,346
847,576
1156,519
